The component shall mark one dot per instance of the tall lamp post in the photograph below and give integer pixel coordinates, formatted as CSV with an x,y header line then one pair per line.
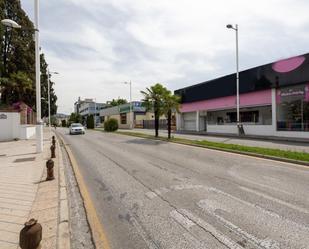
x,y
230,26
39,123
130,83
48,92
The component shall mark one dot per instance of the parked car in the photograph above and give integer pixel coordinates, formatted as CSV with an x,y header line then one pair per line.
x,y
76,128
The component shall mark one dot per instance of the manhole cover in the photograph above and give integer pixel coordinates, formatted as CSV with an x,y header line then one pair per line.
x,y
26,159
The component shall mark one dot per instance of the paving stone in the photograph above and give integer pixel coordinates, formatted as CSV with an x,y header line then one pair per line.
x,y
6,245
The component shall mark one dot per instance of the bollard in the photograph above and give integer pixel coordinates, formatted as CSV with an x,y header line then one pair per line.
x,y
52,150
31,235
50,170
54,141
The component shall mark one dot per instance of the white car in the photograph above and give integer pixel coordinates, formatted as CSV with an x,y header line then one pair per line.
x,y
76,128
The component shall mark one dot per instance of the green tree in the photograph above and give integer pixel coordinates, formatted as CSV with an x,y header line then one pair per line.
x,y
17,51
44,90
75,118
17,63
63,123
119,101
171,103
90,122
154,100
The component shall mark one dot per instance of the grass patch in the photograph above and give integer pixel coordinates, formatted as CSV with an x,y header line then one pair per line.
x,y
293,155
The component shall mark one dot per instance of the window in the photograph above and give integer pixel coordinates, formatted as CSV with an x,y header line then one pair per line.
x,y
123,118
245,117
252,115
293,108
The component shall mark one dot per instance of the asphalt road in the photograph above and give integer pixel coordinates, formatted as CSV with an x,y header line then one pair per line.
x,y
152,194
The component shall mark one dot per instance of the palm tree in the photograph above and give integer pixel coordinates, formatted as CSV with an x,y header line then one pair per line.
x,y
171,103
154,100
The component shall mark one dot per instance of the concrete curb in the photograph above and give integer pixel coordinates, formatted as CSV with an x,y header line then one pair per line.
x,y
63,237
280,159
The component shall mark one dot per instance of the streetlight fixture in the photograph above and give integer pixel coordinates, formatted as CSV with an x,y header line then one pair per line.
x,y
48,92
10,23
130,83
230,26
39,124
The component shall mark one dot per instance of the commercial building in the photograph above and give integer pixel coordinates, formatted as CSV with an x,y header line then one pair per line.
x,y
124,116
274,101
88,107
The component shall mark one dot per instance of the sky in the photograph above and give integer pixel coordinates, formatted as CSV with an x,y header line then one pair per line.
x,y
96,45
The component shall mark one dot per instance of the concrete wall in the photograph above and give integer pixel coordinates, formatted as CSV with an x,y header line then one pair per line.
x,y
9,126
26,131
259,130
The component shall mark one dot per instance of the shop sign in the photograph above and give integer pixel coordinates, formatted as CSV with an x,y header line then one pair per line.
x,y
295,92
124,109
3,116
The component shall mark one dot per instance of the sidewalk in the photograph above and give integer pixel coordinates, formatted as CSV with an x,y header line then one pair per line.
x,y
25,194
272,144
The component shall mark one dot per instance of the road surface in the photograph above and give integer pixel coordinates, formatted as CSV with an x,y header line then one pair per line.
x,y
153,194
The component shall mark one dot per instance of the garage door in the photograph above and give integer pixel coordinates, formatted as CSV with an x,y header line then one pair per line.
x,y
189,121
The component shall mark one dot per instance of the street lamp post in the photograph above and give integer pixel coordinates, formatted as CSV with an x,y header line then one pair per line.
x,y
39,124
230,26
131,123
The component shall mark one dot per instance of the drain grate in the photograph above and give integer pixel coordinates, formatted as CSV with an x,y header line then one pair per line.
x,y
26,159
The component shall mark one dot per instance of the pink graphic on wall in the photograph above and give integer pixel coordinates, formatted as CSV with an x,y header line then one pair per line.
x,y
288,65
247,99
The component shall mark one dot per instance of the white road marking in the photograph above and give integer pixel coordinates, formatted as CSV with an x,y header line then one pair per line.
x,y
186,187
292,206
265,211
150,195
182,220
209,206
219,236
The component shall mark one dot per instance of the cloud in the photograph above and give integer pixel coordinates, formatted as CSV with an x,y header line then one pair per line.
x,y
97,44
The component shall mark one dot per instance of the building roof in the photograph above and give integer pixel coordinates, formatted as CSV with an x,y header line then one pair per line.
x,y
285,72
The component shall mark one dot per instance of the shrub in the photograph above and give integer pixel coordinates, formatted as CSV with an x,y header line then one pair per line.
x,y
111,125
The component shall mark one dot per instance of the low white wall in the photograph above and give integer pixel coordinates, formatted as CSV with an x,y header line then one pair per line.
x,y
26,131
225,129
260,130
9,125
296,134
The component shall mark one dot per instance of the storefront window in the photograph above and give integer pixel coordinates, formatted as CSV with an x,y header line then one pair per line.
x,y
293,108
255,115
